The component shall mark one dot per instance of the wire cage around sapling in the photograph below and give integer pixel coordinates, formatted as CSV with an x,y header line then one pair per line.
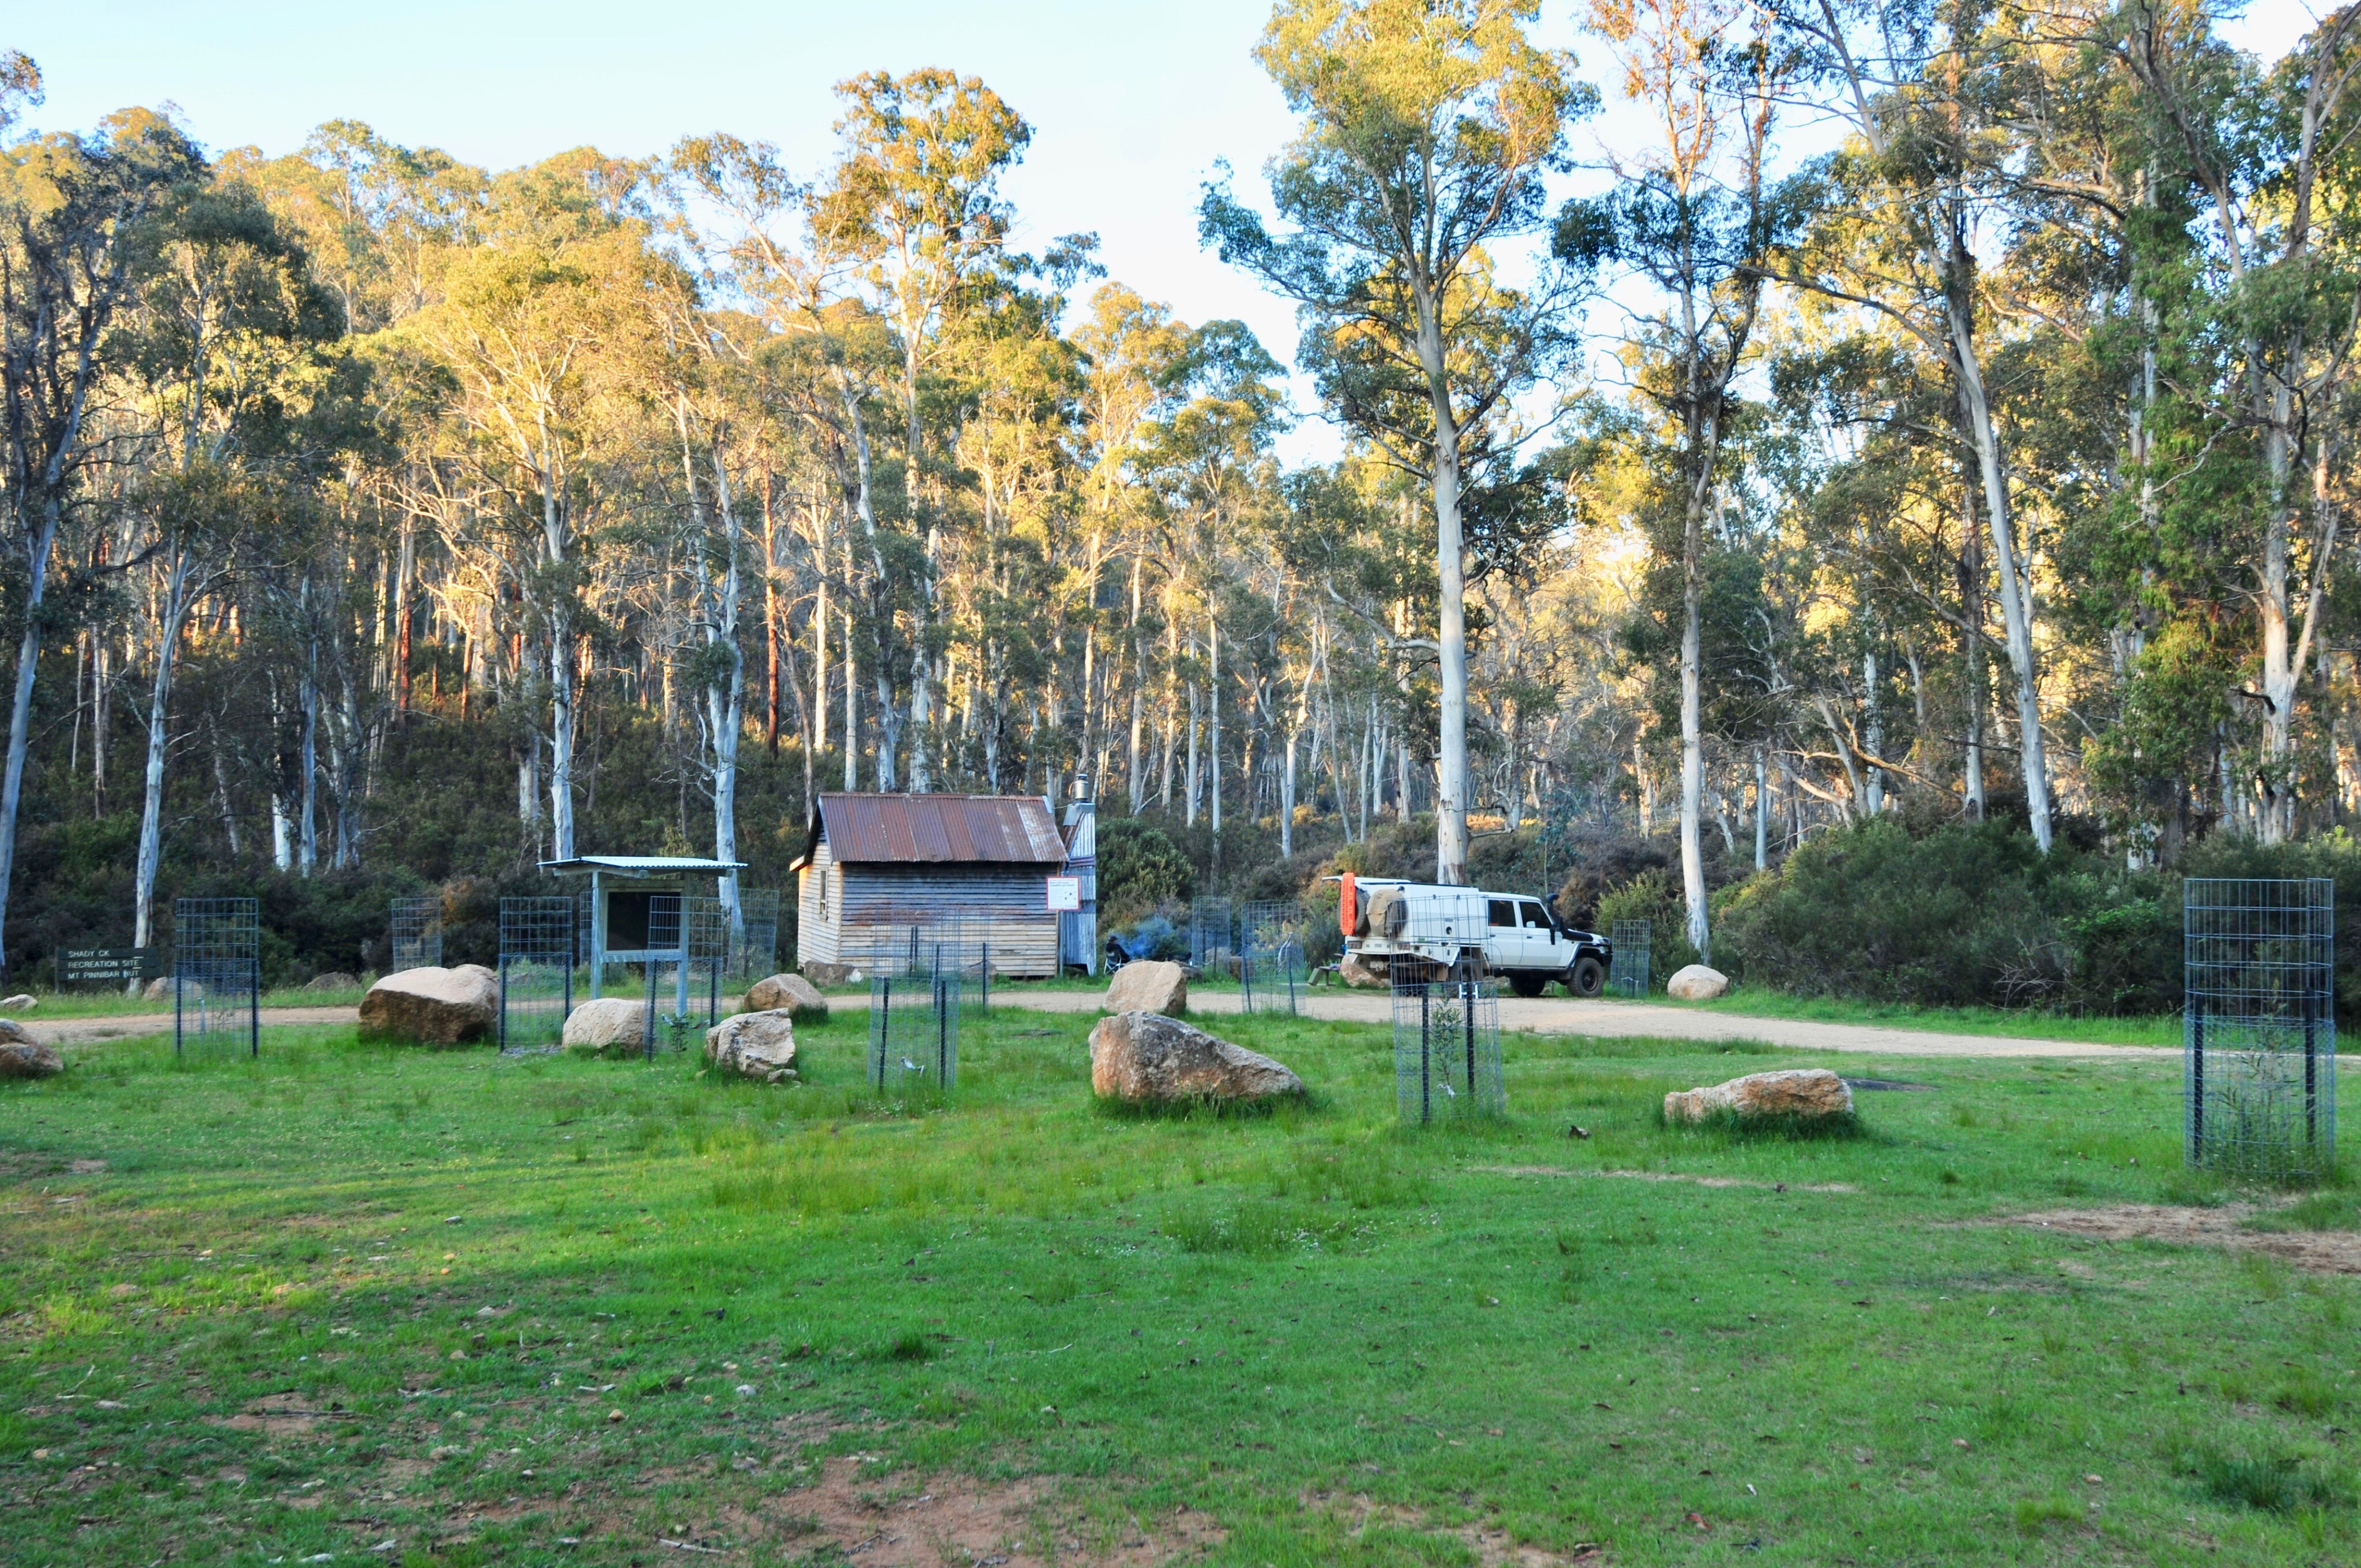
x,y
217,976
1628,970
1211,938
415,933
914,1029
2259,1027
536,972
1447,1050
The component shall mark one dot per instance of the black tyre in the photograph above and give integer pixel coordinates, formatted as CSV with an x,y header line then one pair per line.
x,y
1586,977
1527,984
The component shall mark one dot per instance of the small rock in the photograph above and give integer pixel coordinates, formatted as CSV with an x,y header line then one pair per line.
x,y
798,996
1146,1057
755,1045
159,990
335,979
1696,984
1149,986
29,1059
23,1002
123,1290
433,1006
609,1027
1807,1091
822,972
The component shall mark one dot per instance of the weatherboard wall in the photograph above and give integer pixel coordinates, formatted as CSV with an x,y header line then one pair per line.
x,y
861,915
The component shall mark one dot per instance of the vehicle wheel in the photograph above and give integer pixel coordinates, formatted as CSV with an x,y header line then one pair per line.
x,y
1587,978
1527,984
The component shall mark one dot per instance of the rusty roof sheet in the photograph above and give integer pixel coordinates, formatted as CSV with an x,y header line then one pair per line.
x,y
1004,830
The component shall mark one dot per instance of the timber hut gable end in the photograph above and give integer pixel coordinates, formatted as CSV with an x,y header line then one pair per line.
x,y
875,866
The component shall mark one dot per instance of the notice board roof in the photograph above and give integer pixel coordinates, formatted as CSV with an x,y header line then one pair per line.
x,y
936,830
646,865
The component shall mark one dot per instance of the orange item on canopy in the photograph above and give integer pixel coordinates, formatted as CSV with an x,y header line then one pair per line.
x,y
1344,910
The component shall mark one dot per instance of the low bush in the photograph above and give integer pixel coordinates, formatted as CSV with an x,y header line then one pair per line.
x,y
1961,915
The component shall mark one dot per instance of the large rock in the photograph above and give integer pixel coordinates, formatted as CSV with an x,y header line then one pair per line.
x,y
756,1045
23,1002
1695,982
12,1031
799,996
1149,986
29,1059
335,979
1372,974
433,1006
822,972
159,990
609,1026
1145,1058
1807,1091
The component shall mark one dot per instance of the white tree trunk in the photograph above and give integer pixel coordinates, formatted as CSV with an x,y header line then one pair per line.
x,y
177,588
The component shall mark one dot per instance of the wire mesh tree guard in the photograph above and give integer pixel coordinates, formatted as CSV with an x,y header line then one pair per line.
x,y
1627,967
216,975
1447,1050
1270,960
416,934
914,1026
536,971
2259,1026
754,939
1210,936
947,945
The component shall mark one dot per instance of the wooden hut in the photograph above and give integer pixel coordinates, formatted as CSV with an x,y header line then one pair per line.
x,y
883,874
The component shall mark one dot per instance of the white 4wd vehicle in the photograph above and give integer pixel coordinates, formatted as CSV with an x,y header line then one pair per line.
x,y
1451,930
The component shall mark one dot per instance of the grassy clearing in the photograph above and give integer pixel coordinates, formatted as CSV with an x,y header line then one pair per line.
x,y
2015,1023
556,1310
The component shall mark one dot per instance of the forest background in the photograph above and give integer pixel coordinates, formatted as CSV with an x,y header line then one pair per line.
x,y
1886,526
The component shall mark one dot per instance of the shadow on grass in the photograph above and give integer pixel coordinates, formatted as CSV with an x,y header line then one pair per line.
x,y
1285,1109
2275,1484
1728,1127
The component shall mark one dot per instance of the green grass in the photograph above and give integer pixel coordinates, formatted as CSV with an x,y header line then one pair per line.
x,y
2013,1023
113,1005
353,1294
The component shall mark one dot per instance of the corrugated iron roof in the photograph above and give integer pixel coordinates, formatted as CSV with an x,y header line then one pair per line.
x,y
998,829
644,865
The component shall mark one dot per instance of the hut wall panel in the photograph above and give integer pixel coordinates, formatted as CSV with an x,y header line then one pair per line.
x,y
1000,904
817,936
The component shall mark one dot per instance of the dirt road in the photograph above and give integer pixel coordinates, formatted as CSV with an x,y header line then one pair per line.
x,y
1542,1015
1561,1016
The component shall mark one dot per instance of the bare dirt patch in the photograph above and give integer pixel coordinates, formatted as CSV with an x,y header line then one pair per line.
x,y
2320,1252
896,1521
1492,1548
278,1415
1665,1176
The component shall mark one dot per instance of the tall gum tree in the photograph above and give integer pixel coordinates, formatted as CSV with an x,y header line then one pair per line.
x,y
915,206
75,219
1693,220
1909,78
1428,130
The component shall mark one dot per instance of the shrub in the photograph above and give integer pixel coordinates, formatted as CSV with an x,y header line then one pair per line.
x,y
1139,868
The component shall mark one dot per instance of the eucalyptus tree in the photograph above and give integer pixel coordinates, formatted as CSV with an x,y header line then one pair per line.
x,y
1694,218
77,236
1909,210
2259,272
529,323
915,211
1428,130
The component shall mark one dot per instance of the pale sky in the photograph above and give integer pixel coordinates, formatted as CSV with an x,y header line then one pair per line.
x,y
1132,103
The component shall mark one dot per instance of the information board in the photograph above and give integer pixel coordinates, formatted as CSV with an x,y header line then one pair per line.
x,y
107,966
1065,893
